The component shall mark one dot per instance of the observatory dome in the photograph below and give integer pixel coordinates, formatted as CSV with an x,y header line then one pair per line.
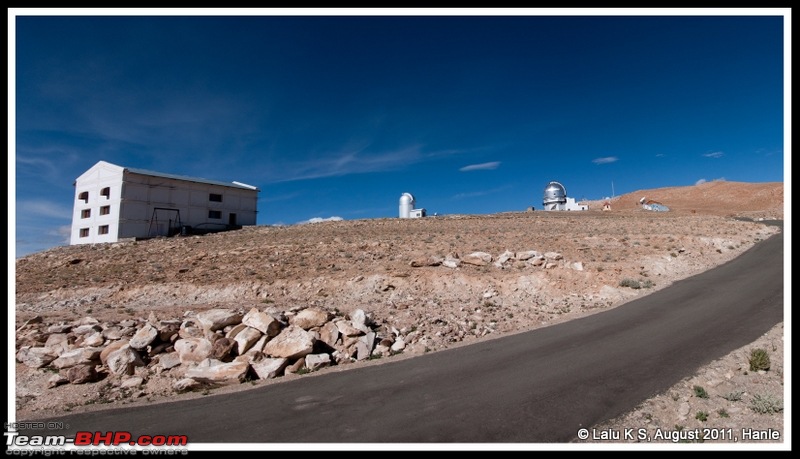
x,y
554,193
406,205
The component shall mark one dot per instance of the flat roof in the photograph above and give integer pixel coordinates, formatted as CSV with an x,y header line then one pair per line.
x,y
239,185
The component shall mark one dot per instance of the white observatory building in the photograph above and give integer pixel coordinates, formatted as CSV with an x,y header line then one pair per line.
x,y
113,203
555,198
407,209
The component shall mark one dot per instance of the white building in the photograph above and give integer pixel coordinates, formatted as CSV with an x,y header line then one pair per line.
x,y
555,198
407,209
114,202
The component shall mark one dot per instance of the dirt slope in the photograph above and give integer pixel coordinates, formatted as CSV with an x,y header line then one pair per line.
x,y
393,270
755,200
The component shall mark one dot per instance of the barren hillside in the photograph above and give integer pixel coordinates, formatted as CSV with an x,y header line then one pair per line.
x,y
428,283
754,200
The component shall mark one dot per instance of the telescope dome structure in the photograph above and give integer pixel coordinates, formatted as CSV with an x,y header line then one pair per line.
x,y
554,193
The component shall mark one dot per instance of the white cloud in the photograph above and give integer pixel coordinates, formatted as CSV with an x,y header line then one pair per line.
x,y
319,220
43,208
348,162
481,167
660,155
63,232
605,160
702,180
714,154
475,194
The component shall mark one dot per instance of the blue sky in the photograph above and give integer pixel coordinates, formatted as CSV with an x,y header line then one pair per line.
x,y
339,115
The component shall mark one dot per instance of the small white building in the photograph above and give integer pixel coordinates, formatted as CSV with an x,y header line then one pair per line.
x,y
114,203
407,209
555,198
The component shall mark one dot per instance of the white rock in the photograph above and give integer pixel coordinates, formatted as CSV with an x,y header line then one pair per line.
x,y
193,349
262,322
310,317
146,335
217,319
293,342
316,361
216,372
269,368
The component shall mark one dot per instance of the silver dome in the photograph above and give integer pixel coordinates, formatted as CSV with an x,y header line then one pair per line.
x,y
554,193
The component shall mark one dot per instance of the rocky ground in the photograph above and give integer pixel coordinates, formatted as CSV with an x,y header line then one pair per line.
x,y
377,290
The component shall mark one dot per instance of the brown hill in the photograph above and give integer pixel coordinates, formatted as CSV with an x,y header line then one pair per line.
x,y
755,200
432,283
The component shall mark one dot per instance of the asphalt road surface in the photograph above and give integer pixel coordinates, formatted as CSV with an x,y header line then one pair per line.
x,y
536,387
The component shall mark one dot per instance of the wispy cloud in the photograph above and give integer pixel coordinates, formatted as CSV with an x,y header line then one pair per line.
x,y
474,194
49,163
765,152
32,238
62,232
283,197
355,161
714,154
660,155
605,160
701,181
458,151
481,167
42,208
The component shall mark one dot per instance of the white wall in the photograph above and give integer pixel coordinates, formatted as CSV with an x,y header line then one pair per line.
x,y
144,193
93,181
133,198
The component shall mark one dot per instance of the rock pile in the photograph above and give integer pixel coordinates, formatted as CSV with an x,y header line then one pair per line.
x,y
520,260
215,347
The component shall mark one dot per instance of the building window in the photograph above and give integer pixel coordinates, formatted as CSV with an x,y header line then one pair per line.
x,y
214,214
106,192
86,213
215,197
84,196
102,229
105,210
84,232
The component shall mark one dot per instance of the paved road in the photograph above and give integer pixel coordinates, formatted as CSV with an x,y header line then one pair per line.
x,y
534,387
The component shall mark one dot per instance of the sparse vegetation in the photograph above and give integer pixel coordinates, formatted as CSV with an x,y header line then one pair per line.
x,y
766,404
700,392
632,283
734,396
701,416
759,360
